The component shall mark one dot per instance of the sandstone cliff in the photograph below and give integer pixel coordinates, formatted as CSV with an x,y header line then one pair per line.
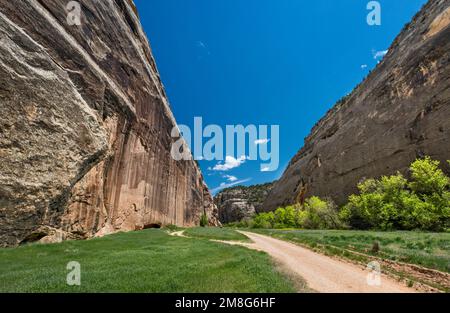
x,y
85,127
400,112
240,202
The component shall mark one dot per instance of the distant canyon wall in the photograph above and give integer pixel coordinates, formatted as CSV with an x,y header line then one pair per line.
x,y
399,113
239,203
85,127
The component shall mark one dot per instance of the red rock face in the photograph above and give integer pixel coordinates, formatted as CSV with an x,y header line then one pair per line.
x,y
85,127
399,113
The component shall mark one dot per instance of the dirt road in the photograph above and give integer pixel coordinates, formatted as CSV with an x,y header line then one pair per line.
x,y
322,273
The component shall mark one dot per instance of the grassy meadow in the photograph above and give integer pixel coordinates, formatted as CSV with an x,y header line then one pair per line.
x,y
154,261
215,233
144,261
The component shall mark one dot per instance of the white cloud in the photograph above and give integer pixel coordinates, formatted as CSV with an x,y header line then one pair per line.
x,y
364,66
379,54
228,185
230,178
261,141
265,169
230,163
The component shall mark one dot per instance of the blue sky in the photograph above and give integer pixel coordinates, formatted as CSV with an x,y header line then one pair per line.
x,y
265,62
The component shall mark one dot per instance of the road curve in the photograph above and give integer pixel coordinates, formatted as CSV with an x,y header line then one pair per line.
x,y
322,273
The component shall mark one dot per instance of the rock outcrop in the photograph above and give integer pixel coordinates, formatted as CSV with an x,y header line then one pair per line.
x,y
85,127
399,113
240,202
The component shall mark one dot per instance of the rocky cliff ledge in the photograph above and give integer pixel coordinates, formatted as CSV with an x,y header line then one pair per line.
x,y
85,127
240,202
400,112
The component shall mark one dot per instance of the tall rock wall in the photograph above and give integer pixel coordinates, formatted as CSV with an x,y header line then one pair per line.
x,y
85,127
400,112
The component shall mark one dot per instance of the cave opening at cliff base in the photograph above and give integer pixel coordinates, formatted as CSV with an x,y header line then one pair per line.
x,y
152,225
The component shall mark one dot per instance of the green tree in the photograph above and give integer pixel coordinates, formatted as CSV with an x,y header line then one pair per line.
x,y
431,186
286,217
378,204
321,214
264,220
394,203
427,177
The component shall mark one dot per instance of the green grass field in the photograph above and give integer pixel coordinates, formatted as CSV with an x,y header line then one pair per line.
x,y
144,261
215,233
153,261
431,250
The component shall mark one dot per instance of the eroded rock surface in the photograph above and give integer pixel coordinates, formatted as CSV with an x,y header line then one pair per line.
x,y
241,202
400,112
85,127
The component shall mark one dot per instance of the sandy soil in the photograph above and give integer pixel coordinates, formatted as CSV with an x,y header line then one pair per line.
x,y
322,273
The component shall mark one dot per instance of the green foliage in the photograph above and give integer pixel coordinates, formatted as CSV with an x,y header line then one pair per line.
x,y
320,214
377,204
286,217
316,213
389,203
264,220
394,203
428,178
245,223
204,220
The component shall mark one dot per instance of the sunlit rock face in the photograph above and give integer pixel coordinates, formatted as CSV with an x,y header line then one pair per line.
x,y
85,127
399,113
239,203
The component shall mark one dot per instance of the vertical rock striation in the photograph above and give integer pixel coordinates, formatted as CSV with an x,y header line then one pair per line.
x,y
85,127
400,112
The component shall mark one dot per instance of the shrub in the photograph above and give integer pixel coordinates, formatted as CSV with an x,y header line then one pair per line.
x,y
316,213
286,217
320,214
301,218
204,220
394,203
375,247
264,220
388,203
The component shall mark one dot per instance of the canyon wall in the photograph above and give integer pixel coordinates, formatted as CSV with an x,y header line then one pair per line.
x,y
241,202
399,113
85,127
